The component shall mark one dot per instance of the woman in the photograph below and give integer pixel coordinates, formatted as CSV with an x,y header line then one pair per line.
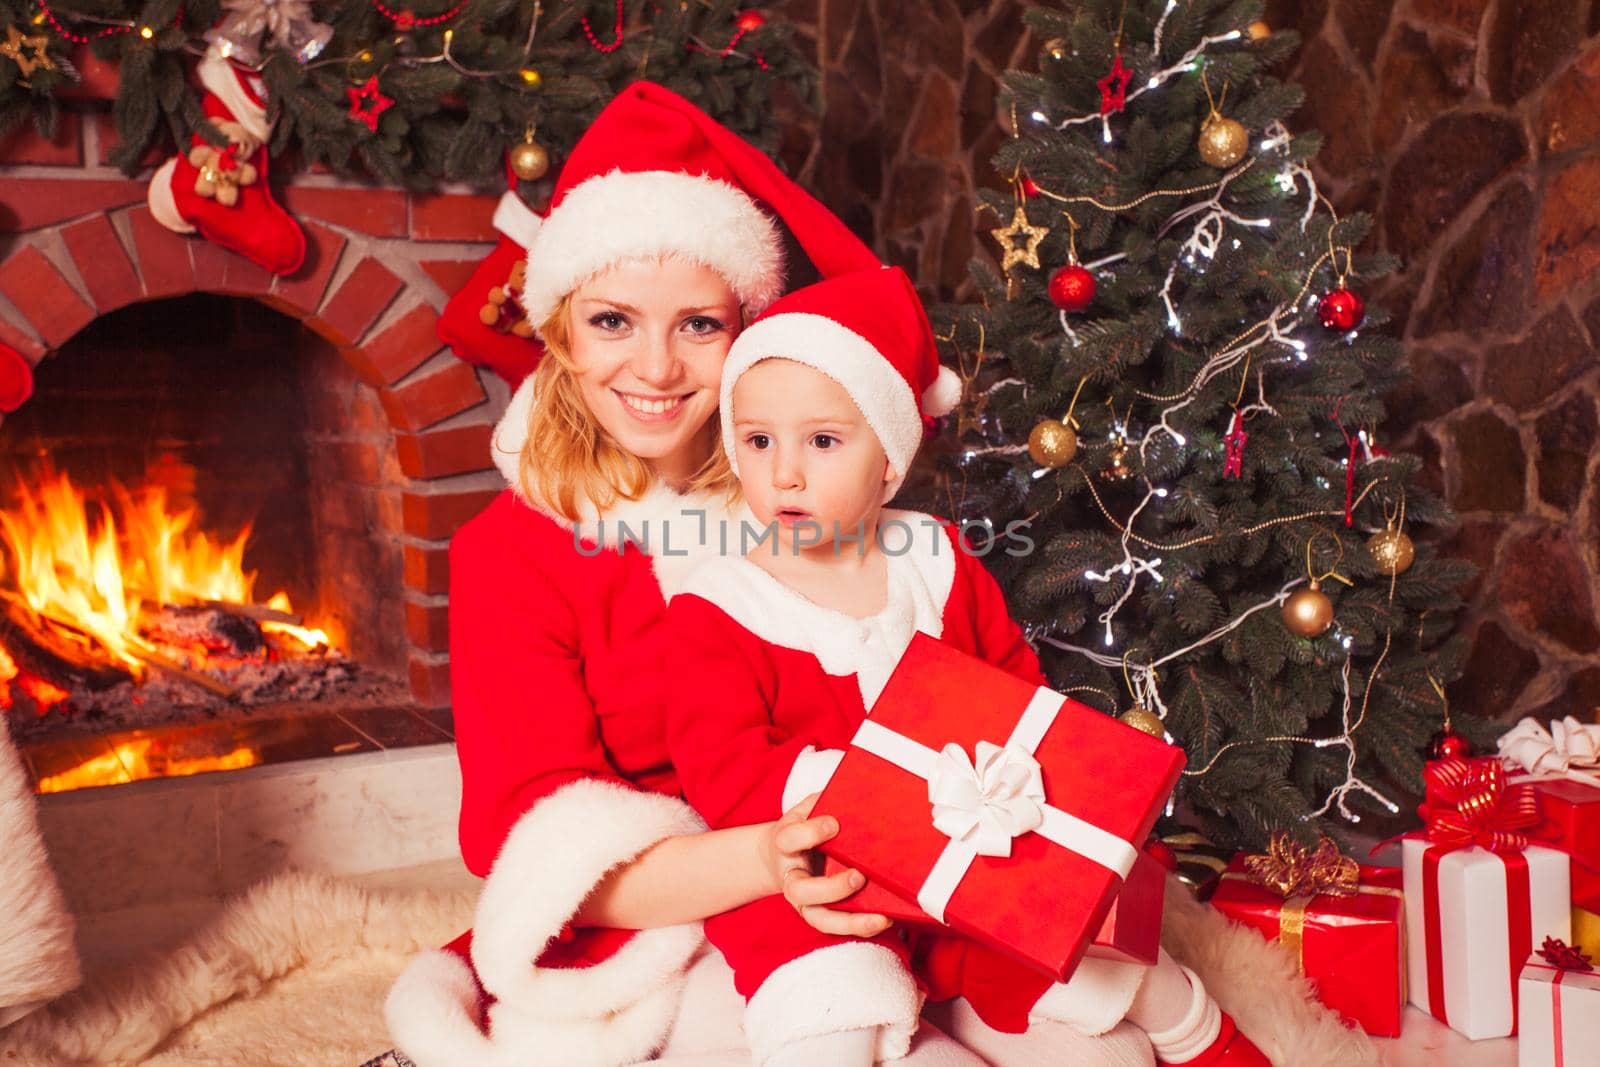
x,y
652,257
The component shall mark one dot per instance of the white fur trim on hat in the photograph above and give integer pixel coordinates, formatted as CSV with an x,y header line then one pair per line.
x,y
887,402
850,986
942,397
626,215
516,220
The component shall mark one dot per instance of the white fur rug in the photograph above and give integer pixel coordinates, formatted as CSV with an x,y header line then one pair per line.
x,y
294,974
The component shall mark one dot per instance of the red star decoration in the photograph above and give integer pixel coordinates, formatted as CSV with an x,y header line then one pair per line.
x,y
367,103
1113,100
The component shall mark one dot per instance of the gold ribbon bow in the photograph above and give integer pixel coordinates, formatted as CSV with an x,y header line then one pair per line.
x,y
1290,870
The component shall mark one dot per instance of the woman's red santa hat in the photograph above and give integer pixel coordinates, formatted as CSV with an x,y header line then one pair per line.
x,y
869,332
655,176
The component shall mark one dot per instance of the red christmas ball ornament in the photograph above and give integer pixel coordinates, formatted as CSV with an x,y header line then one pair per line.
x,y
1341,310
1072,288
1029,189
750,21
1447,744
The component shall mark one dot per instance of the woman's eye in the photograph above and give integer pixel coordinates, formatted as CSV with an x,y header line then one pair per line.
x,y
824,441
703,325
758,441
608,320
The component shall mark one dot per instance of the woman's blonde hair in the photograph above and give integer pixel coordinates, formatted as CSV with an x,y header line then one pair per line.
x,y
570,457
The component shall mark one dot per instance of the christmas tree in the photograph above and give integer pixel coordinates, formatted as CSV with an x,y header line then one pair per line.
x,y
448,85
1175,383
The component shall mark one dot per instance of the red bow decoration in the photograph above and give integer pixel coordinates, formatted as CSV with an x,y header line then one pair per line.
x,y
1558,953
1469,803
1233,464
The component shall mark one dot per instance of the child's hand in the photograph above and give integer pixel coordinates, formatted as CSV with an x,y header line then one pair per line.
x,y
786,852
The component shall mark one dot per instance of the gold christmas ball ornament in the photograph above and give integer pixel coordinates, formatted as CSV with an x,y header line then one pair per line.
x,y
1223,141
1308,612
1117,469
1259,29
530,161
1392,550
531,77
1052,444
1144,720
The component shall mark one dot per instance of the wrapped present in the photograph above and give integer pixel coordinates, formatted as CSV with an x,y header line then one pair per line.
x,y
1007,812
1563,764
1343,923
1478,896
1131,930
1586,930
1558,1015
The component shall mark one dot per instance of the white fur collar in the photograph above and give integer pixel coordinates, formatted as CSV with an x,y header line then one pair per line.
x,y
920,581
677,530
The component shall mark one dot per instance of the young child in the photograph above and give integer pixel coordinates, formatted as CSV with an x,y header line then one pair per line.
x,y
781,652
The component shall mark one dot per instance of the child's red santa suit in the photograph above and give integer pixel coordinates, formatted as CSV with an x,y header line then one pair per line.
x,y
775,685
780,684
556,665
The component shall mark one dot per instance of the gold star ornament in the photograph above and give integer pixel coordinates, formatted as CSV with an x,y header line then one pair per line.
x,y
28,53
1008,235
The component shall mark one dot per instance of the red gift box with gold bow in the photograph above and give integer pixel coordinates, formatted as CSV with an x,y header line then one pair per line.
x,y
1006,811
1343,923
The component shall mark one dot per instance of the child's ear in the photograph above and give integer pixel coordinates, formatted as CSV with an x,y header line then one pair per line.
x,y
889,473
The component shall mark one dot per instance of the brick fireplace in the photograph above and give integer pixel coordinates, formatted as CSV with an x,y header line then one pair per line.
x,y
393,429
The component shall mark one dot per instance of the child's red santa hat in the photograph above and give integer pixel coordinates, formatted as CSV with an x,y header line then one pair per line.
x,y
654,175
869,332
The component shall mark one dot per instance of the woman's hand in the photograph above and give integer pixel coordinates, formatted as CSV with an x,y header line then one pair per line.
x,y
787,851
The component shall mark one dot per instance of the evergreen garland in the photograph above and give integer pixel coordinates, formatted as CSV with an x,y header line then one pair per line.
x,y
452,119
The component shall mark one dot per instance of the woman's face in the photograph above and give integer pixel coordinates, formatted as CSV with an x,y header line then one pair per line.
x,y
648,339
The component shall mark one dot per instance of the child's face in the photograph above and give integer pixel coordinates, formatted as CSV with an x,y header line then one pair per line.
x,y
805,451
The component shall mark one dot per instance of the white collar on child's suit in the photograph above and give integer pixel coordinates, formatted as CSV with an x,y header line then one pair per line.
x,y
920,580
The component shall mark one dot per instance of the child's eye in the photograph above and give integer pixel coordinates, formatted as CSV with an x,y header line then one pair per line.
x,y
758,441
608,320
703,325
824,441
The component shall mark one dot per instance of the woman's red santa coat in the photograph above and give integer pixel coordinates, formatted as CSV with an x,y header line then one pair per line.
x,y
565,776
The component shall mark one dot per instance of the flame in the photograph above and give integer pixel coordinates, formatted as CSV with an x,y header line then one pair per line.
x,y
311,638
95,566
134,760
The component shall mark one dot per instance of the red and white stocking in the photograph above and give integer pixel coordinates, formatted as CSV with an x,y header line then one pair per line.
x,y
223,192
483,321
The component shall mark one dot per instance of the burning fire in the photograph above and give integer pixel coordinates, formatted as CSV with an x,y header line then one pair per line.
x,y
96,569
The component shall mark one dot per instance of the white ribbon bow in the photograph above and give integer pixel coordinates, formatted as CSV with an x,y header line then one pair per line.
x,y
986,803
1569,749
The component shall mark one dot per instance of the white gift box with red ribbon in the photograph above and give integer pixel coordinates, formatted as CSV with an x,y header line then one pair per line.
x,y
1558,1017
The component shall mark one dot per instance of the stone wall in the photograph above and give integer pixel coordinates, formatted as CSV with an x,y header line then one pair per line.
x,y
1470,128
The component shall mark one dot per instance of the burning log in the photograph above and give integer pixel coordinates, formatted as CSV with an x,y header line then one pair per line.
x,y
212,628
257,612
41,651
178,670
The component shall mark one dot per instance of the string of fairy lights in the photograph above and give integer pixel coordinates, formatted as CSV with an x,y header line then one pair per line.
x,y
1209,222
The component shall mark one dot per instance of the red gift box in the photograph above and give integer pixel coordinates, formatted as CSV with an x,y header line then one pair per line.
x,y
1131,931
1353,947
1035,883
1570,820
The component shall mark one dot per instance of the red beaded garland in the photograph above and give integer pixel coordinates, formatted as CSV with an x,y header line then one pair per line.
x,y
1072,288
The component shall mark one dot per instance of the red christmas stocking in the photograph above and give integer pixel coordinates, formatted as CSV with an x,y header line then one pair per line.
x,y
483,322
16,379
223,192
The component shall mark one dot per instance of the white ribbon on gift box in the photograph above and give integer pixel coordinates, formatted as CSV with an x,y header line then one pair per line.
x,y
1569,749
981,806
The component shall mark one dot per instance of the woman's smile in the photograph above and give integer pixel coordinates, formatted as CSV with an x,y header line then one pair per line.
x,y
653,408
